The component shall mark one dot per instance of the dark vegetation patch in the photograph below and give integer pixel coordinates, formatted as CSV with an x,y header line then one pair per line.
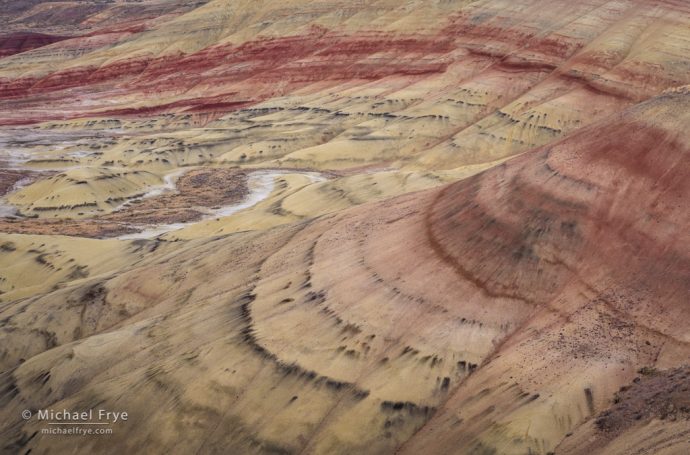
x,y
654,394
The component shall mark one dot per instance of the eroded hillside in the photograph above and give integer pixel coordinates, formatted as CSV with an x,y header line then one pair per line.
x,y
347,227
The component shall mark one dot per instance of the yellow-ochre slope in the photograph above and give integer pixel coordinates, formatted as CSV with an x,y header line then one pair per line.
x,y
336,227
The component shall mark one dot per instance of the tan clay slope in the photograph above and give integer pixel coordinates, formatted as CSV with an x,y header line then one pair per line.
x,y
85,16
83,191
31,27
32,265
442,67
452,87
495,315
592,233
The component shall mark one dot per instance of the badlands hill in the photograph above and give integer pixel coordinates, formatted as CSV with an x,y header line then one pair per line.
x,y
347,227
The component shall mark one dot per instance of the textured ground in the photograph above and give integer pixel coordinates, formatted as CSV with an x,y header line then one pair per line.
x,y
457,226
